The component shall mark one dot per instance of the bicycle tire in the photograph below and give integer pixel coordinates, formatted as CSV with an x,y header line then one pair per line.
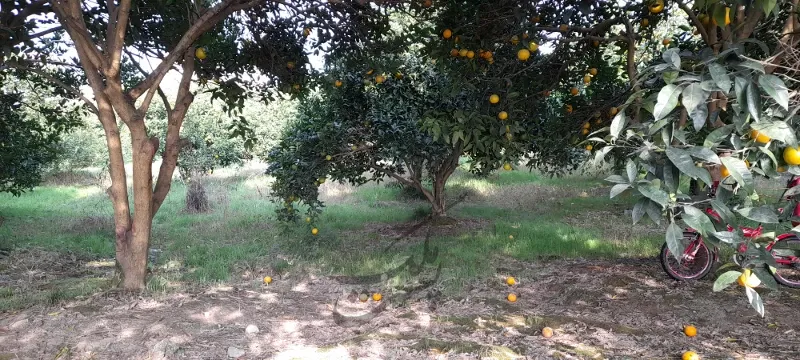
x,y
775,271
704,258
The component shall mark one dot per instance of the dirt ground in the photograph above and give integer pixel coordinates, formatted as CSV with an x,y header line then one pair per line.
x,y
625,309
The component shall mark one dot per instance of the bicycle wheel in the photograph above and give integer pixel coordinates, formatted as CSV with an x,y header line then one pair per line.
x,y
787,254
691,267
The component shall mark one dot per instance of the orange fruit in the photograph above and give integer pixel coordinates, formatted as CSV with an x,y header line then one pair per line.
x,y
585,131
724,172
200,53
759,137
690,355
589,147
470,54
563,28
791,155
308,219
645,22
447,33
596,43
547,332
569,108
523,54
370,71
587,79
510,280
502,115
398,75
328,157
666,42
427,3
507,167
586,125
377,296
535,19
657,6
515,39
494,99
613,111
690,330
574,91
290,65
546,93
463,52
454,52
267,279
337,83
533,46
748,279
593,71
314,231
321,180
380,79
512,298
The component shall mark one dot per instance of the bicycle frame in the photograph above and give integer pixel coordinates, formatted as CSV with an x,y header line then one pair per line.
x,y
749,232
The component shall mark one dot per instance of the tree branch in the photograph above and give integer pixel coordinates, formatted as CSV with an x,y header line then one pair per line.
x,y
117,24
55,81
695,20
205,22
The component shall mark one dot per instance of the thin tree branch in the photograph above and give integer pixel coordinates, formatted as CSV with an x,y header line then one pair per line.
x,y
695,20
55,81
118,16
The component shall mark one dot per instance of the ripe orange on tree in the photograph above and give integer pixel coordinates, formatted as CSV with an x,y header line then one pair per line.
x,y
447,33
453,52
502,115
574,91
523,54
494,99
791,155
759,137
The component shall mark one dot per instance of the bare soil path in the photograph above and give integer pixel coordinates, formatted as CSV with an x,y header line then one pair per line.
x,y
625,309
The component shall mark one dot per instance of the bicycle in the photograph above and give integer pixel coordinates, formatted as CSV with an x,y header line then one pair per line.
x,y
698,259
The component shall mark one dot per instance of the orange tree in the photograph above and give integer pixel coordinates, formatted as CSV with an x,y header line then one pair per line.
x,y
123,50
462,78
719,105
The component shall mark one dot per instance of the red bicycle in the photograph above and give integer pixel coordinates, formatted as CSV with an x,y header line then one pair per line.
x,y
698,259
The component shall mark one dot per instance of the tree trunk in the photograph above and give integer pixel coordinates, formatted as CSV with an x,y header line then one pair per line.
x,y
438,205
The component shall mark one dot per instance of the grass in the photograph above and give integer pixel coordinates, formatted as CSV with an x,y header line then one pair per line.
x,y
240,236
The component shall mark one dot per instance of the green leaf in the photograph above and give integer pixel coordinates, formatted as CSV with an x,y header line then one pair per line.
x,y
777,130
617,125
697,220
672,57
617,179
740,87
726,279
766,277
654,193
704,153
752,65
762,214
727,237
631,171
775,87
693,95
720,76
718,15
675,240
653,211
755,300
683,161
699,116
618,189
739,171
639,209
715,137
728,217
754,101
768,5
667,100
670,76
